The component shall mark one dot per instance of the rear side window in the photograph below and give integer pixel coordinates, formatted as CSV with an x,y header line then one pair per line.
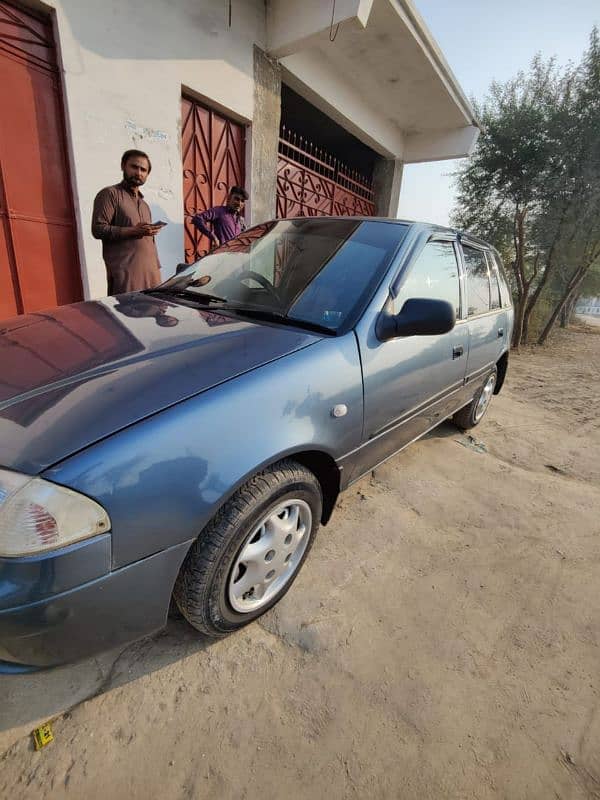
x,y
495,301
504,288
434,276
478,282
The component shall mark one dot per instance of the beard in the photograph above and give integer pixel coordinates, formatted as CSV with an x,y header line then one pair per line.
x,y
133,180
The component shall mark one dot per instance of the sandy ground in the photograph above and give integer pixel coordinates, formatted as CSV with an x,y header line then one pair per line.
x,y
442,640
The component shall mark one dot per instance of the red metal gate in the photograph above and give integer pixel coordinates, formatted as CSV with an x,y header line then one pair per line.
x,y
38,257
213,161
312,183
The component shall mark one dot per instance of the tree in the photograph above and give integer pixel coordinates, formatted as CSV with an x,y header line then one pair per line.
x,y
532,187
579,246
500,188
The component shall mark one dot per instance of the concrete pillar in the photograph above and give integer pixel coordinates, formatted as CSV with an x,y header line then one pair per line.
x,y
265,137
387,181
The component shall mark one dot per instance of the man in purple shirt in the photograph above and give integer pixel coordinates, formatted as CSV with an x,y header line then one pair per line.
x,y
226,221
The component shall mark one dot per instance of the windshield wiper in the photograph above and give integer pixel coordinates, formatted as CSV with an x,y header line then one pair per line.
x,y
276,316
258,312
189,294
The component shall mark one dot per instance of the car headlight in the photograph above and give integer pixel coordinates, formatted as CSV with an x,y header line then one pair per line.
x,y
36,515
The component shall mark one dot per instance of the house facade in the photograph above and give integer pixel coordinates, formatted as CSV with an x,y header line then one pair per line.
x,y
314,107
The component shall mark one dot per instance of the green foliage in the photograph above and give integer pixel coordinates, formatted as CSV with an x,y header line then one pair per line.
x,y
590,286
515,152
532,186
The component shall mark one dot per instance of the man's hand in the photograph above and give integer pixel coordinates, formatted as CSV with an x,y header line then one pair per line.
x,y
215,241
137,231
152,230
142,229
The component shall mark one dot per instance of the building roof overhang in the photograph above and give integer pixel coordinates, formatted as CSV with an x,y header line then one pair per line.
x,y
377,71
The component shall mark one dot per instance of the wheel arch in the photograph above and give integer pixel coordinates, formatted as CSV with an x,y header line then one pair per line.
x,y
502,367
327,472
319,462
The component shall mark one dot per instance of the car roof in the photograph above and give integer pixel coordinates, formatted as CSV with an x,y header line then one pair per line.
x,y
414,224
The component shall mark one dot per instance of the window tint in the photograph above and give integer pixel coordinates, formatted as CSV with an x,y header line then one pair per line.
x,y
504,288
495,301
478,283
349,277
434,276
313,269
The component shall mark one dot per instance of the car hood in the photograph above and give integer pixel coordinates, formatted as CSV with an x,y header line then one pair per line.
x,y
73,375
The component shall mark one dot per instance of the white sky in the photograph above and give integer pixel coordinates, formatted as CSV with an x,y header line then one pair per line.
x,y
482,41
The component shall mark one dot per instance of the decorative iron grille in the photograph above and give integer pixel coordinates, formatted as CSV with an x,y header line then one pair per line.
x,y
213,162
311,182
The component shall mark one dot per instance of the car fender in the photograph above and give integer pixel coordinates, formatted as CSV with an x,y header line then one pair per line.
x,y
162,479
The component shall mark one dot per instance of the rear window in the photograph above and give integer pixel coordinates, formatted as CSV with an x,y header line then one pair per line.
x,y
505,295
478,282
495,301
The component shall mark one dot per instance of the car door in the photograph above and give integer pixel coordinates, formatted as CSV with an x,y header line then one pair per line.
x,y
413,383
486,320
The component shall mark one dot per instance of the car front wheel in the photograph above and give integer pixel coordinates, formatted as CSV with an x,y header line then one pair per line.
x,y
249,555
471,415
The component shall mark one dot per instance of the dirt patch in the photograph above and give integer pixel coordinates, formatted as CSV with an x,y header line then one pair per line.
x,y
563,377
442,640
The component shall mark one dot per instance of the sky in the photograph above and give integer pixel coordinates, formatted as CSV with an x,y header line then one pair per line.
x,y
485,41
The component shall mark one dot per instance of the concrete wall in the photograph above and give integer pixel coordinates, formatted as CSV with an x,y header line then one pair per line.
x,y
124,65
387,182
265,136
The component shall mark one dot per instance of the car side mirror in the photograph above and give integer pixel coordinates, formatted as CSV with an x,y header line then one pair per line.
x,y
418,316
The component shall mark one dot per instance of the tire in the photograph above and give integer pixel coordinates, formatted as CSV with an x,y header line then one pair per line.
x,y
267,526
472,414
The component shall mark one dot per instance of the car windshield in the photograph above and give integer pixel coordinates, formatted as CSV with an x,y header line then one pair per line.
x,y
314,270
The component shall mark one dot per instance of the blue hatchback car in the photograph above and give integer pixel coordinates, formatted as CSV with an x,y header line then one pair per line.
x,y
185,443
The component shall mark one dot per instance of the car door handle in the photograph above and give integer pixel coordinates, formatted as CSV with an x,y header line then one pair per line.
x,y
457,351
500,332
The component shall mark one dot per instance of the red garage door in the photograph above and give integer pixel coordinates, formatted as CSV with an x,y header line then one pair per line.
x,y
213,161
38,257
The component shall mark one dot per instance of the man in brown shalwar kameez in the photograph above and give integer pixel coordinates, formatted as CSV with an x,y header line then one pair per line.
x,y
122,220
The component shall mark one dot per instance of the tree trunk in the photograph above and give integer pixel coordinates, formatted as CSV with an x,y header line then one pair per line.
x,y
549,269
517,337
535,295
574,301
566,315
570,291
519,270
526,317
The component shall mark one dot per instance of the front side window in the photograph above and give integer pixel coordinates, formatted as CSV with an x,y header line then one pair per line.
x,y
434,276
478,281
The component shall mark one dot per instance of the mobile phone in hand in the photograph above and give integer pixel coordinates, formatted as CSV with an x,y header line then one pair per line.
x,y
159,224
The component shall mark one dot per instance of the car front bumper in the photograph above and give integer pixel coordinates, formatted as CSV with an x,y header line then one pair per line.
x,y
68,605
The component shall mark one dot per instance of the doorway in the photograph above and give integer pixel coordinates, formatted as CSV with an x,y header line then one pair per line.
x,y
39,265
213,154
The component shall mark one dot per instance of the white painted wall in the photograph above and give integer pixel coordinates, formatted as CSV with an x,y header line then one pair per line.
x,y
124,64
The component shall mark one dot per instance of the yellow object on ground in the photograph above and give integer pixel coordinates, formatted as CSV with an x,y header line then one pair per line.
x,y
43,736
